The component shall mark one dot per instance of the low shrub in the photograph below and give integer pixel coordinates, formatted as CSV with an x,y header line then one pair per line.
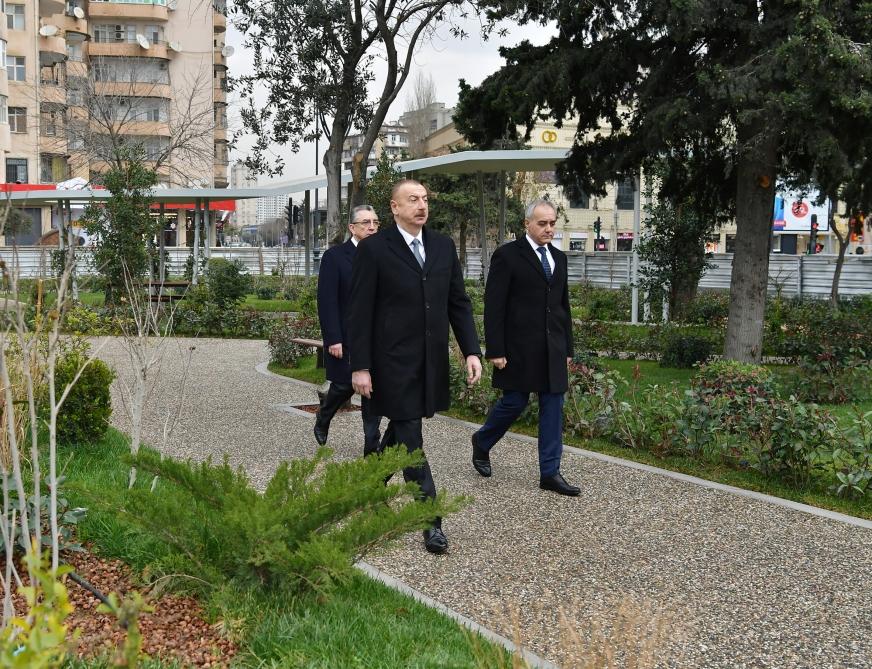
x,y
266,292
825,378
85,413
478,398
227,281
285,352
684,351
591,406
852,458
304,293
304,532
709,307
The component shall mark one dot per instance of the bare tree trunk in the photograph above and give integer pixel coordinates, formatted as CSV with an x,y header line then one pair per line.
x,y
755,193
462,242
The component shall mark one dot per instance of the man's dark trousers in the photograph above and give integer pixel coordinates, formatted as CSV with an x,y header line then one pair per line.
x,y
336,397
506,411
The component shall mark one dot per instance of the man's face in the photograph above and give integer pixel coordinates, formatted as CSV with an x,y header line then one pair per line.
x,y
410,207
365,224
540,226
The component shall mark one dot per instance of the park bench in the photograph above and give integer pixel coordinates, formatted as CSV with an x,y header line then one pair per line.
x,y
317,344
167,291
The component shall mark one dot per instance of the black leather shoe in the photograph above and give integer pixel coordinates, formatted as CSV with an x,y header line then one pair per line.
x,y
559,485
320,432
435,540
480,458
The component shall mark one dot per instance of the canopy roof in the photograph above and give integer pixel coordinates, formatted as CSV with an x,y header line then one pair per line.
x,y
463,162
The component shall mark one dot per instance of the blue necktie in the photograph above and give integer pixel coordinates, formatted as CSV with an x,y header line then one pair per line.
x,y
417,252
545,265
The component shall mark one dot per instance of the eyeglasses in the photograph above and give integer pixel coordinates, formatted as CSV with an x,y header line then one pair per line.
x,y
365,223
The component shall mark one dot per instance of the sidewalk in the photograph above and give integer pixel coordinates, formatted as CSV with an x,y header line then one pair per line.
x,y
730,581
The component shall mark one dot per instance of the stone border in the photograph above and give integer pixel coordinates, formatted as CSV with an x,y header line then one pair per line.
x,y
678,476
530,658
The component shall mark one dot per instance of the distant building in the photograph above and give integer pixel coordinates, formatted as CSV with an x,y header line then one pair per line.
x,y
246,210
270,208
393,139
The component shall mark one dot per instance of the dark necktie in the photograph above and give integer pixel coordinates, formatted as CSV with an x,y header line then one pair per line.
x,y
546,267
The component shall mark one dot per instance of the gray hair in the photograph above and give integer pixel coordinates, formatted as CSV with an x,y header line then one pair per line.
x,y
360,208
528,212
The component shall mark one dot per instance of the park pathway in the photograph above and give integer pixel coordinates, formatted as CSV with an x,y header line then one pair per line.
x,y
713,578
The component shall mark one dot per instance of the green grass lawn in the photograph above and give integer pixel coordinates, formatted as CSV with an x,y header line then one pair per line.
x,y
257,304
364,624
304,371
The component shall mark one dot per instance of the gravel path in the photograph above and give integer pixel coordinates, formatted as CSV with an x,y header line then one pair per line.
x,y
639,564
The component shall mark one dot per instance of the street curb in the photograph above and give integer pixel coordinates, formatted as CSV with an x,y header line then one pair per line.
x,y
531,659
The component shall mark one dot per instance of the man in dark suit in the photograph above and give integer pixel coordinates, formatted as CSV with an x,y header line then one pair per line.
x,y
528,337
334,305
406,288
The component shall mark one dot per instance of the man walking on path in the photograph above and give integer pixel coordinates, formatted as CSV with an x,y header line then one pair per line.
x,y
528,337
406,288
334,298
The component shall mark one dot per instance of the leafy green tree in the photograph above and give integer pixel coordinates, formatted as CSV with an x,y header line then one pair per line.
x,y
123,224
771,91
314,60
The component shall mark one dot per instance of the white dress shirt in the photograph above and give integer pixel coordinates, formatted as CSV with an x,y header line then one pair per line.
x,y
410,238
355,240
539,255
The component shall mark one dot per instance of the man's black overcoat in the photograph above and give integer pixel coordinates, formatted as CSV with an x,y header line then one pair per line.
x,y
334,294
399,321
527,319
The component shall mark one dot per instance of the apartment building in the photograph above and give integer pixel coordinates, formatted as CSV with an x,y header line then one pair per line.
x,y
245,215
84,77
393,139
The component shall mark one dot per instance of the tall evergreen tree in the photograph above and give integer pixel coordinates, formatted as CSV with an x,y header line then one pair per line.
x,y
772,90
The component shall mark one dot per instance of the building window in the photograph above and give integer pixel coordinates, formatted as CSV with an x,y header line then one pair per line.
x,y
624,198
4,111
2,50
15,69
731,244
625,241
18,119
53,169
577,244
74,51
15,17
578,199
16,170
51,122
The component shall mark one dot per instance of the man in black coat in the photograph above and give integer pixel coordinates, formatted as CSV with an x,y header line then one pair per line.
x,y
406,288
528,337
334,305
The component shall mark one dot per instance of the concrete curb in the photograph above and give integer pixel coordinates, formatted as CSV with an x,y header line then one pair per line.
x,y
531,659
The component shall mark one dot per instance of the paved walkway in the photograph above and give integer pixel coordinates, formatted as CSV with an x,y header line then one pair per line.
x,y
717,580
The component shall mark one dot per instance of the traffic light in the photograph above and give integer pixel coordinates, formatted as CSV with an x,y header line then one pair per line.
x,y
289,214
812,240
597,227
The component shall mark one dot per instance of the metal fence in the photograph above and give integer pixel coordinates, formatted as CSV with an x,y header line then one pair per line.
x,y
793,275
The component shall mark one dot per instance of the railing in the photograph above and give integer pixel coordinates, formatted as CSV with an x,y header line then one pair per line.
x,y
810,276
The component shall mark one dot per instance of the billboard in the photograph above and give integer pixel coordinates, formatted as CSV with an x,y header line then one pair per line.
x,y
793,212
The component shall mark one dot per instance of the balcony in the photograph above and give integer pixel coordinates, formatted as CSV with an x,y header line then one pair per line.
x,y
53,91
70,24
221,132
134,89
128,48
219,60
49,8
219,22
151,11
51,50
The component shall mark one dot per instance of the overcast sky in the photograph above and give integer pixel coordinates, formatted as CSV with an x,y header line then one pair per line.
x,y
445,58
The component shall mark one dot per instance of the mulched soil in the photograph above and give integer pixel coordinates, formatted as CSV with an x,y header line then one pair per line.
x,y
313,408
176,630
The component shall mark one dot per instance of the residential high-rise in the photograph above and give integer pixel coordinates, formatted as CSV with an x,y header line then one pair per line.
x,y
245,215
86,77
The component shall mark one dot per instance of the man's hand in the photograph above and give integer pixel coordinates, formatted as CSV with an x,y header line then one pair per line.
x,y
335,350
361,381
499,363
473,369
569,361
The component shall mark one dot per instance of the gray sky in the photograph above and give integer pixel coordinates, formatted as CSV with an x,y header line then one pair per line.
x,y
445,58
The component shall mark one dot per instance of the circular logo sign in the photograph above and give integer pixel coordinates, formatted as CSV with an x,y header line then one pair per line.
x,y
549,136
799,209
